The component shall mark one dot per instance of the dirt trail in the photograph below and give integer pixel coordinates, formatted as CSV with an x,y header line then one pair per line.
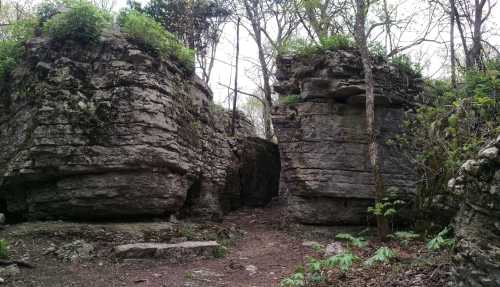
x,y
260,258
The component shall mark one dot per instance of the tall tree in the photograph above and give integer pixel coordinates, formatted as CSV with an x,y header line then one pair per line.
x,y
321,18
198,23
235,97
271,23
470,17
362,7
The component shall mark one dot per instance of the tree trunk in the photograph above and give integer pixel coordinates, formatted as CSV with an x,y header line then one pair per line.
x,y
452,45
360,35
253,15
235,98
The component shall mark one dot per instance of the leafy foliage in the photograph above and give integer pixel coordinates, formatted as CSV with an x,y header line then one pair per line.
x,y
297,279
4,249
83,22
304,48
451,128
343,261
316,270
382,255
299,47
12,46
195,23
387,207
377,50
290,99
152,34
405,64
359,242
219,252
405,237
336,42
440,241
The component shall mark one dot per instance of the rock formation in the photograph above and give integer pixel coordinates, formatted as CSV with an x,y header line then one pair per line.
x,y
477,224
109,131
320,124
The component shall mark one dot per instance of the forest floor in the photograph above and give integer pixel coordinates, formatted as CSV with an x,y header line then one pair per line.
x,y
259,253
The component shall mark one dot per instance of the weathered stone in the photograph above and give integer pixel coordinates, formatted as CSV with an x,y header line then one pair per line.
x,y
477,224
333,249
75,251
107,131
326,177
9,271
175,253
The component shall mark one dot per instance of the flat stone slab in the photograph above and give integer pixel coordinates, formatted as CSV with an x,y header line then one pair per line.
x,y
175,253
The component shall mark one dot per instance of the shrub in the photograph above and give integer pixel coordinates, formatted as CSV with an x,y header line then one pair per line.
x,y
298,47
377,50
46,10
359,242
4,249
83,22
10,53
337,42
450,129
382,255
405,237
304,48
406,65
440,241
219,252
343,261
12,47
290,99
152,34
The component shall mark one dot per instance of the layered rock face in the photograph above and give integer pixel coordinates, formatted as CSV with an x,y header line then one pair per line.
x,y
108,131
321,128
477,224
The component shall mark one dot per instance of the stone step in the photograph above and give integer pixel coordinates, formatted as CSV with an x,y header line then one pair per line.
x,y
175,253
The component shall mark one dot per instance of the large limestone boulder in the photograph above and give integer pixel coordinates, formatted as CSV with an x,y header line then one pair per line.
x,y
477,224
326,176
108,131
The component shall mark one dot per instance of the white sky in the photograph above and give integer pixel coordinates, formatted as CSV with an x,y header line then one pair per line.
x,y
433,55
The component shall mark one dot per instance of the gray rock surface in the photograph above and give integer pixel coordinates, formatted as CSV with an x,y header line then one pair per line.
x,y
326,175
110,132
477,223
175,253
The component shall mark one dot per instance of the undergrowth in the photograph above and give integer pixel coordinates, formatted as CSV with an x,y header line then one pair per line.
x,y
82,22
305,48
152,34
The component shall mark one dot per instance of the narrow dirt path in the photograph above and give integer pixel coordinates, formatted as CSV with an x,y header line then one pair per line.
x,y
261,257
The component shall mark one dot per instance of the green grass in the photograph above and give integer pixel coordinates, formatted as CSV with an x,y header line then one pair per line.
x,y
152,34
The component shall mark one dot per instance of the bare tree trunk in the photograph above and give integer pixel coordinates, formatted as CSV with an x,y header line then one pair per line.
x,y
235,98
475,52
452,45
252,11
360,35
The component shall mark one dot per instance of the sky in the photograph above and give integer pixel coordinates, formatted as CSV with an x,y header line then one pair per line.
x,y
432,55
